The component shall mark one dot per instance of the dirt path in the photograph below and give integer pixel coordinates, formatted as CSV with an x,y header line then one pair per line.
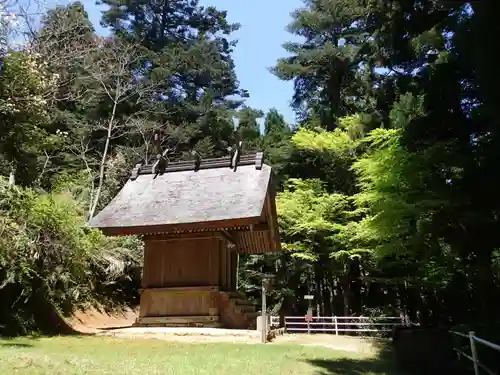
x,y
94,321
119,324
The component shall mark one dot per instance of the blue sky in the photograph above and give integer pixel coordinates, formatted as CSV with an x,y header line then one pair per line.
x,y
259,46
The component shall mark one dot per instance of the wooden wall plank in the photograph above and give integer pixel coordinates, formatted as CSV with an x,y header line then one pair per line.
x,y
175,302
187,262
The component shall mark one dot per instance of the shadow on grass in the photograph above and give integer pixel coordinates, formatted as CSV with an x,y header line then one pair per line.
x,y
8,344
383,362
352,367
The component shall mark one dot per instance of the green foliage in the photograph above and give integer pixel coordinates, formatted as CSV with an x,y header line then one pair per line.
x,y
326,155
25,135
49,258
341,147
387,186
324,67
319,220
414,156
25,81
188,54
307,216
275,125
248,128
337,143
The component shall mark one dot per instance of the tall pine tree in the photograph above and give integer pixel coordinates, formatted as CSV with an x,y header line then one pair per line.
x,y
189,56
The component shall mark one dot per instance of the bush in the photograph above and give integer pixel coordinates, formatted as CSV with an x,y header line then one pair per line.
x,y
50,260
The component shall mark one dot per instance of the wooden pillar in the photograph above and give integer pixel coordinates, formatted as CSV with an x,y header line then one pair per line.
x,y
234,269
222,266
228,269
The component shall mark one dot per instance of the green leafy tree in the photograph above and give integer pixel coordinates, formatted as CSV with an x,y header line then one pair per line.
x,y
50,264
274,124
324,67
248,128
189,55
25,137
276,143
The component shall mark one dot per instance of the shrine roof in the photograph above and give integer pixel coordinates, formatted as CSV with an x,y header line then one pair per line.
x,y
212,194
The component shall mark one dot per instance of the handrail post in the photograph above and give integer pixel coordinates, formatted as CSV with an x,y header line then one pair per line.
x,y
336,326
474,353
263,325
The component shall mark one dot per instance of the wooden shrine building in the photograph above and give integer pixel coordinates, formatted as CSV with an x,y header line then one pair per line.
x,y
195,217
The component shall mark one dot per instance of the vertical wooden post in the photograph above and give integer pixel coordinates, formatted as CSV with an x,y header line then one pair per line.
x,y
336,326
237,270
263,331
228,268
475,360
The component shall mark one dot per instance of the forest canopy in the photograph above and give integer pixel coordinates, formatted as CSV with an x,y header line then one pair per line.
x,y
387,183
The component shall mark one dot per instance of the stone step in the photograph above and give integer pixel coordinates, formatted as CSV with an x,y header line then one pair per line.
x,y
237,295
246,308
251,315
240,301
180,325
178,321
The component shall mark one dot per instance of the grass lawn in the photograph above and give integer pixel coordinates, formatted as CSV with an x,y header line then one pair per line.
x,y
104,355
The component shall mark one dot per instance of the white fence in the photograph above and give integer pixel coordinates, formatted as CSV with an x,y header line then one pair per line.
x,y
338,324
473,351
274,321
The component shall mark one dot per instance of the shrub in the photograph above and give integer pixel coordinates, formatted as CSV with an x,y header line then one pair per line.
x,y
50,260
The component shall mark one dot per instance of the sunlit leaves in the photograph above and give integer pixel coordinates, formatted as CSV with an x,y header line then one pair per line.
x,y
47,253
312,219
26,83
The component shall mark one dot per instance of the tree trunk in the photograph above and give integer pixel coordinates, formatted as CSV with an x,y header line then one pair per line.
x,y
12,178
346,294
102,165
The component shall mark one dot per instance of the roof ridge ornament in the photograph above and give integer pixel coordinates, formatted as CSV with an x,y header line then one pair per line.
x,y
259,160
135,172
162,160
197,159
163,164
236,156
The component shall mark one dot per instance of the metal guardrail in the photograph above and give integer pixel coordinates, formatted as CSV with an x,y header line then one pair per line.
x,y
473,357
337,324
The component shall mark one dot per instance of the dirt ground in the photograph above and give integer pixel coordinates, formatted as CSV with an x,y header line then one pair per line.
x,y
119,324
94,321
